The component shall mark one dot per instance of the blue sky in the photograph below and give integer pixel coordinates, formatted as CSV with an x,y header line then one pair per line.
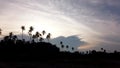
x,y
96,22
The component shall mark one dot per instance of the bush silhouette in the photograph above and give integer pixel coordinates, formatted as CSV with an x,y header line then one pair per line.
x,y
20,49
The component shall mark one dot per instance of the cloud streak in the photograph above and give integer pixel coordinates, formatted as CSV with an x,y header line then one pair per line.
x,y
97,21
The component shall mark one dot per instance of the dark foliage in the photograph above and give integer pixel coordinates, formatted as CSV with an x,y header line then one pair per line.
x,y
12,48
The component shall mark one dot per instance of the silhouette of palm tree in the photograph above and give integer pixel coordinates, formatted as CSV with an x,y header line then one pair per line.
x,y
34,36
72,48
67,46
23,28
30,32
43,32
37,35
61,43
40,34
10,35
62,46
41,39
48,37
31,28
102,49
0,31
15,38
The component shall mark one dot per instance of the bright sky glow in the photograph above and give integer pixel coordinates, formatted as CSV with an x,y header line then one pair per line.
x,y
95,21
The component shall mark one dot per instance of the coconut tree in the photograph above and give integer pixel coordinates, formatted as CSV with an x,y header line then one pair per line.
x,y
72,48
15,38
40,35
31,28
30,32
43,32
37,35
10,35
41,39
62,46
33,36
23,28
102,49
48,37
67,46
61,43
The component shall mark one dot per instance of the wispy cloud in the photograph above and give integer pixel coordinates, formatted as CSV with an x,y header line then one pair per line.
x,y
71,41
100,15
97,21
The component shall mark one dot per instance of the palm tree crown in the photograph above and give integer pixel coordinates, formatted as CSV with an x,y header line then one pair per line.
x,y
72,48
30,32
48,36
10,35
37,35
23,28
43,32
31,29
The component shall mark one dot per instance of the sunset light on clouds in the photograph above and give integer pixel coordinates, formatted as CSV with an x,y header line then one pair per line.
x,y
96,22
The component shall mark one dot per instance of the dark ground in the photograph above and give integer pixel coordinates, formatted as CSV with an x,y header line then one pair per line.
x,y
21,54
60,63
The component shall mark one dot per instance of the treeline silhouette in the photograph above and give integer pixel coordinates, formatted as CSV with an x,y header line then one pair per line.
x,y
12,48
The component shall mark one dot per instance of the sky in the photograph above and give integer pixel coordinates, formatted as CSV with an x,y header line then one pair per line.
x,y
84,24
